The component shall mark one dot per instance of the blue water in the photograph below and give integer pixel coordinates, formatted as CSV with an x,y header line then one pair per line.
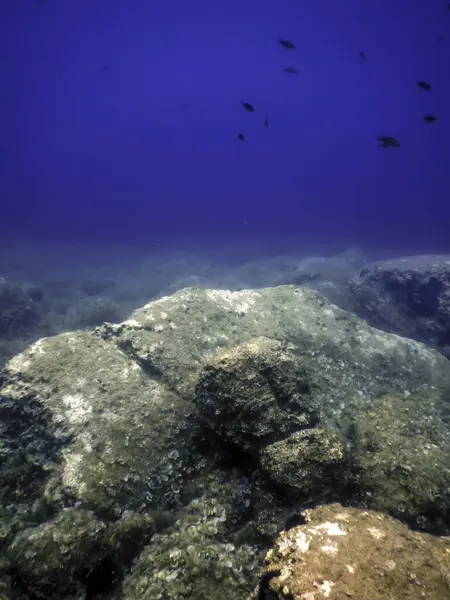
x,y
119,123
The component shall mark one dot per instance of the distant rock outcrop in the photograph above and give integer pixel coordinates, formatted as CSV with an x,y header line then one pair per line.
x,y
409,296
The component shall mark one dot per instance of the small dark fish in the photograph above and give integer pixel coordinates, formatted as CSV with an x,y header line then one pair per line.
x,y
266,122
40,2
388,142
424,85
241,136
429,118
106,67
440,37
291,70
362,55
248,107
287,44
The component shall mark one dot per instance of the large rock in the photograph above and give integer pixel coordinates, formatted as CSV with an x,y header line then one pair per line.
x,y
408,296
256,393
172,339
349,553
82,422
402,449
54,556
102,418
192,562
307,464
105,421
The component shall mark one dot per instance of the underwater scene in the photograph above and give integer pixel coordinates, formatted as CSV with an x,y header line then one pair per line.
x,y
224,300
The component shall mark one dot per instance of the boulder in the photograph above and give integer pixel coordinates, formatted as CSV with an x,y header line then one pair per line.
x,y
82,422
192,562
107,422
349,553
68,554
307,464
352,363
255,393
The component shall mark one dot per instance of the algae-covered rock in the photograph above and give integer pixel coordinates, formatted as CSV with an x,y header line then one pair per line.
x,y
350,553
402,450
103,418
307,464
129,534
55,553
173,337
191,563
81,422
69,553
256,393
106,421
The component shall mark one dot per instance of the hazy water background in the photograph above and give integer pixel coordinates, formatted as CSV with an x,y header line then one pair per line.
x,y
119,124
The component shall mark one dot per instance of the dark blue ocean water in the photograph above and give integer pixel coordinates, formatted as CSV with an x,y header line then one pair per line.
x,y
119,123
129,170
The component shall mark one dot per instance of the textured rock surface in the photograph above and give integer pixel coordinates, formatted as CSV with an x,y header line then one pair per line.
x,y
402,449
102,417
81,422
105,421
352,363
408,296
74,547
349,553
308,463
191,563
256,393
